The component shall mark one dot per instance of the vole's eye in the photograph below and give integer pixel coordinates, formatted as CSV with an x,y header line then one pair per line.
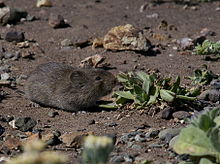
x,y
98,78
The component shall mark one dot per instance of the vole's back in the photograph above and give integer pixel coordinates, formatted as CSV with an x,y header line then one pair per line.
x,y
62,86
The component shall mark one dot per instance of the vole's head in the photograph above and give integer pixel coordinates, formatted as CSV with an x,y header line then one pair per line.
x,y
94,80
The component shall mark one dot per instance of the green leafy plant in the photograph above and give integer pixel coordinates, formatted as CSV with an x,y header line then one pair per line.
x,y
203,76
97,149
208,48
201,137
145,89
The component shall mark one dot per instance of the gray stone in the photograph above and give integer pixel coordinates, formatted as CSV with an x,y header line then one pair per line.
x,y
5,76
140,138
66,43
129,144
169,133
117,159
128,158
56,21
215,84
212,95
14,36
25,124
166,113
181,115
137,147
155,145
8,55
152,133
186,43
52,114
2,130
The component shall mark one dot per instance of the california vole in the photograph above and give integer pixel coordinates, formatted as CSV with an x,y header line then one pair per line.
x,y
71,89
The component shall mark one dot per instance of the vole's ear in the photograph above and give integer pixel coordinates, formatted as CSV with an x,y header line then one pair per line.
x,y
76,76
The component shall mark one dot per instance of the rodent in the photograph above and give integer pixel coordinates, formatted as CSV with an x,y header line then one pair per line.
x,y
68,88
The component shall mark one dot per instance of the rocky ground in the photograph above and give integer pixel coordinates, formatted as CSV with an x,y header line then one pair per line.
x,y
63,32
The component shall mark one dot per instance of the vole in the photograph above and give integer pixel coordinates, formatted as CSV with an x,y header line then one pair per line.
x,y
67,88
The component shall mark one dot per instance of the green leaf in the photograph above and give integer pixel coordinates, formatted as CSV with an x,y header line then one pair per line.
x,y
193,141
142,76
125,94
146,85
153,98
185,97
205,161
167,95
108,106
176,85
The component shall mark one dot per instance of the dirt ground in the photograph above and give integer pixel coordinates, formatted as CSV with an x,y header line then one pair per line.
x,y
91,19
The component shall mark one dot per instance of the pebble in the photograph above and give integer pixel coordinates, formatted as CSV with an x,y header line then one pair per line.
x,y
25,124
91,122
14,36
112,124
140,138
8,55
215,84
154,15
181,115
186,43
212,95
129,144
207,32
117,159
2,130
137,147
169,133
152,133
66,43
5,76
44,3
155,145
166,113
5,68
56,21
52,114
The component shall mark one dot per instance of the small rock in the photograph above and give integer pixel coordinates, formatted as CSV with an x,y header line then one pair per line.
x,y
172,141
25,123
126,38
166,113
199,40
152,133
117,159
74,139
11,15
14,36
137,147
124,138
128,158
4,160
2,130
8,55
207,32
56,21
92,61
154,15
215,84
140,138
52,114
212,95
169,133
24,44
44,3
181,115
143,7
155,145
5,76
91,122
26,54
50,139
112,124
129,144
186,43
66,43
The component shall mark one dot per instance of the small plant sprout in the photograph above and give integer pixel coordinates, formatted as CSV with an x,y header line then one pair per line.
x,y
97,149
34,154
208,48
